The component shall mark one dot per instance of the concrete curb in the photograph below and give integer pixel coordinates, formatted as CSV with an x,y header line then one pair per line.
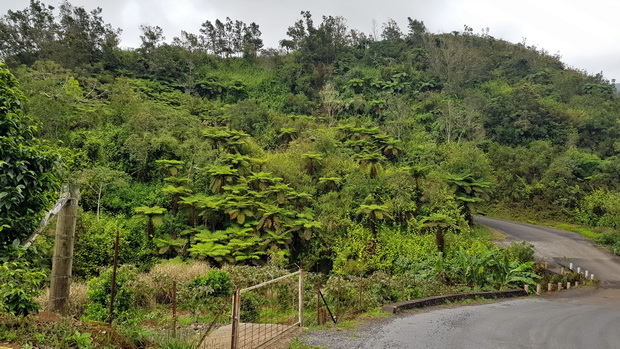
x,y
437,300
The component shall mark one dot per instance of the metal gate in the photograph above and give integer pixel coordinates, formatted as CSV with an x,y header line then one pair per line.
x,y
261,313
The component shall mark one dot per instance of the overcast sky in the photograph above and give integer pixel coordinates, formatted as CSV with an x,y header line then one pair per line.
x,y
586,33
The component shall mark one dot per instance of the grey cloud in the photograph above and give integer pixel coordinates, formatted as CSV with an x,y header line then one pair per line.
x,y
556,25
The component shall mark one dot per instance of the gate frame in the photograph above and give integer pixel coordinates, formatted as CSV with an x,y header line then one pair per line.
x,y
236,305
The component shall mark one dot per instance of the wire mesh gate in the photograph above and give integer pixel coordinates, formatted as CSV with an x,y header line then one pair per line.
x,y
261,313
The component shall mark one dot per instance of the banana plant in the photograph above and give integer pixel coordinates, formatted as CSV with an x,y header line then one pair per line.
x,y
507,273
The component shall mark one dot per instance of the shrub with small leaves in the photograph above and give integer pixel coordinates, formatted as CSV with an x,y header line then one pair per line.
x,y
251,303
207,292
218,280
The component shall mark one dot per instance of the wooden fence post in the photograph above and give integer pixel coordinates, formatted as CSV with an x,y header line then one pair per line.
x,y
318,307
174,309
62,262
301,298
236,310
113,286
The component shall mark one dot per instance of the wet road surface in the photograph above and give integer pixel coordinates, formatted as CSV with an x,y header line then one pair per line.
x,y
562,247
578,318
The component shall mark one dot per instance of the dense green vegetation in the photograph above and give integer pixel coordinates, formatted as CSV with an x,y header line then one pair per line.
x,y
341,153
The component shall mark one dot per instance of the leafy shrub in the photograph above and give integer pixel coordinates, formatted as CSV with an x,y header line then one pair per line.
x,y
600,209
20,284
94,245
217,280
100,289
521,252
28,165
207,292
250,306
352,253
611,240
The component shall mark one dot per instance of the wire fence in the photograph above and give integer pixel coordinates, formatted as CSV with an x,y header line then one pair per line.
x,y
262,312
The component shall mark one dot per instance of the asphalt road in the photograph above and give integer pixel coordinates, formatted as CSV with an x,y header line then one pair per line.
x,y
562,247
572,319
521,323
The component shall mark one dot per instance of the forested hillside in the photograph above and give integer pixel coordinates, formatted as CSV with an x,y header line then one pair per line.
x,y
339,151
332,152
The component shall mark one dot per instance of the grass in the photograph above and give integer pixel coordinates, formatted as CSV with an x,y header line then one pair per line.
x,y
347,324
77,299
374,313
581,230
484,232
297,344
179,271
525,215
475,300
